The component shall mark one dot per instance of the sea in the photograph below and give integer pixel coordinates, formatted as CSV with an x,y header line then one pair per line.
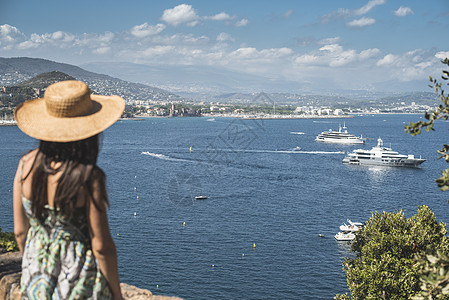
x,y
266,230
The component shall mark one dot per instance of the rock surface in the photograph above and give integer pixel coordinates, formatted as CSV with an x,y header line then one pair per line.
x,y
10,271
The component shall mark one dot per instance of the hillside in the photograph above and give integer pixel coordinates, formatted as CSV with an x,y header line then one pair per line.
x,y
42,81
19,69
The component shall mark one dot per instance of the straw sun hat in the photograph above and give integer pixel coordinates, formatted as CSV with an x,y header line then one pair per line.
x,y
68,112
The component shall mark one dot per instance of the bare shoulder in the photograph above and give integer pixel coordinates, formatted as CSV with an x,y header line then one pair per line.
x,y
28,159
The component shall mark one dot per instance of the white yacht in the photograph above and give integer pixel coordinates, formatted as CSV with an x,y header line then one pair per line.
x,y
345,236
352,226
382,156
339,137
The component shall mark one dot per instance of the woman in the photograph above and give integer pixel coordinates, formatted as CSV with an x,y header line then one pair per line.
x,y
60,198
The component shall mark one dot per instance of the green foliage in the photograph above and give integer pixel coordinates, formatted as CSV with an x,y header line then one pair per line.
x,y
8,241
385,266
441,112
434,276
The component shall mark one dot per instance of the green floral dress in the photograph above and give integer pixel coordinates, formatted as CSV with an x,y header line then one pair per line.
x,y
58,262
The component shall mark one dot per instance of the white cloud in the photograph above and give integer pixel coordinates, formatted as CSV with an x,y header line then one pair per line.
x,y
223,37
334,55
181,14
328,41
102,50
442,55
413,65
242,22
145,30
62,36
369,6
253,53
219,17
364,21
344,13
368,53
10,34
158,50
387,60
403,11
307,59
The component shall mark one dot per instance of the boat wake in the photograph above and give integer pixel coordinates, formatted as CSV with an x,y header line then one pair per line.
x,y
165,157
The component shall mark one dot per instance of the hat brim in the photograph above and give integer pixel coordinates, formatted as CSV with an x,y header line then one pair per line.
x,y
33,119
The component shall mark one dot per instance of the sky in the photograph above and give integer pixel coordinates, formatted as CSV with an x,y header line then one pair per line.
x,y
345,44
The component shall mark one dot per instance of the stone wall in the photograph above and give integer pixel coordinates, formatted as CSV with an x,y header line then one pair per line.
x,y
10,271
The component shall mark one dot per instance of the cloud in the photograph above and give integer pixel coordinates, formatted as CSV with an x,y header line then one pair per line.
x,y
223,37
102,50
181,14
242,22
387,60
442,55
369,6
412,65
219,17
403,11
328,41
10,34
62,36
334,55
343,13
145,30
362,22
253,53
365,54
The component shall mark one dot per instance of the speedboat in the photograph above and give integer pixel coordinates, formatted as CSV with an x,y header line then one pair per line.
x,y
339,137
201,197
382,156
345,236
352,227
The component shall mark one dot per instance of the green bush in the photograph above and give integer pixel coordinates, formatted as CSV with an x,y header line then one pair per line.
x,y
8,241
387,264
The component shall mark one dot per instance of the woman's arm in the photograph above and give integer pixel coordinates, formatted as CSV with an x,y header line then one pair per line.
x,y
21,224
103,246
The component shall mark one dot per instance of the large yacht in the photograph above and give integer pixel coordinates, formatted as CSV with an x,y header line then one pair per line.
x,y
340,137
382,156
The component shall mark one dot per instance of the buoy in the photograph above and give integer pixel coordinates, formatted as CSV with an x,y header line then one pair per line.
x,y
135,176
243,254
135,214
137,197
190,149
134,188
157,286
213,266
117,233
254,245
184,224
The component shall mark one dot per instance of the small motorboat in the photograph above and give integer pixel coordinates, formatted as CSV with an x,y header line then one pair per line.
x,y
345,236
352,227
201,197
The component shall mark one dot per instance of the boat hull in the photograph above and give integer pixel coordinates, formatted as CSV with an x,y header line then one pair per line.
x,y
408,163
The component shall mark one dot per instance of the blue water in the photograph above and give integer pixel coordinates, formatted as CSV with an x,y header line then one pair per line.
x,y
258,194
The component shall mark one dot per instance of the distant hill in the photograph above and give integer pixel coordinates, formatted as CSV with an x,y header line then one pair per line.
x,y
19,69
42,81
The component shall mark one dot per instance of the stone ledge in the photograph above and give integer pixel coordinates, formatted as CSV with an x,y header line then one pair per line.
x,y
10,272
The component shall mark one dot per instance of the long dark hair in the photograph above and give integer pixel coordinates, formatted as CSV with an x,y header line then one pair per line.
x,y
79,171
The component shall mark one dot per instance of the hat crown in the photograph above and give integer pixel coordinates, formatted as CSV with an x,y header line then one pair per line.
x,y
67,99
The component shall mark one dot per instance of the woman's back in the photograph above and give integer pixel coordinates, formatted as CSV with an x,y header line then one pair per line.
x,y
58,260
